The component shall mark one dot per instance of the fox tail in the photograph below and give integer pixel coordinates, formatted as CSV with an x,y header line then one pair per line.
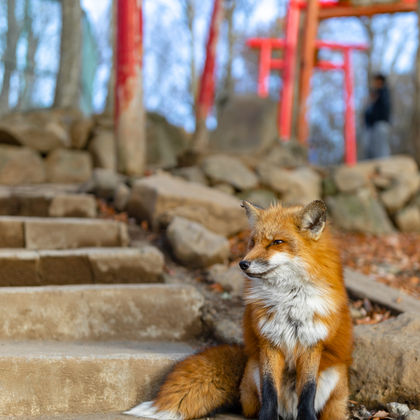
x,y
198,385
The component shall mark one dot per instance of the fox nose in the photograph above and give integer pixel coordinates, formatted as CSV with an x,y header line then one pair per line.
x,y
244,264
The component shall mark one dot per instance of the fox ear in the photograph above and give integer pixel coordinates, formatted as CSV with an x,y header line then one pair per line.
x,y
252,211
313,218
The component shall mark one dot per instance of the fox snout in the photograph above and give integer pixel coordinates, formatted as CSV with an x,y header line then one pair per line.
x,y
244,264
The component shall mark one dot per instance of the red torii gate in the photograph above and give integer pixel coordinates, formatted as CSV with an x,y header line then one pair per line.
x,y
129,64
268,63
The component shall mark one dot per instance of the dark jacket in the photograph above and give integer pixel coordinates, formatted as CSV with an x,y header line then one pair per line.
x,y
380,108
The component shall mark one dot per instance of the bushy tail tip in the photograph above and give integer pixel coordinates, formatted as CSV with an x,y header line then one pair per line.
x,y
147,409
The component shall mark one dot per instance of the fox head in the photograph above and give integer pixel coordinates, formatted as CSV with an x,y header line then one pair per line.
x,y
285,241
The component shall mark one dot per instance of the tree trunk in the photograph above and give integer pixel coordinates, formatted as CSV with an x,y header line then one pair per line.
x,y
228,86
110,97
67,90
25,97
416,119
190,16
9,55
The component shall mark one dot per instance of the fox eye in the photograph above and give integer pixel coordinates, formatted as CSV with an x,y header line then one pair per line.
x,y
277,242
251,243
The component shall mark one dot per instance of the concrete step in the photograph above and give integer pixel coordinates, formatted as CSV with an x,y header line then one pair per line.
x,y
22,267
40,379
46,201
60,233
100,312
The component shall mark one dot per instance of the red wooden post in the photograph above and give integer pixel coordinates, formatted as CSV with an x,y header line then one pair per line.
x,y
307,65
129,112
206,89
291,39
350,123
206,92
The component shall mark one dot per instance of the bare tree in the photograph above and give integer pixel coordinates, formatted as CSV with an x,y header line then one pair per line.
x,y
13,32
110,98
67,90
25,96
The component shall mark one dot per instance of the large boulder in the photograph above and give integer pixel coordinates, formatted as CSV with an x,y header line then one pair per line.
x,y
289,154
246,123
20,165
194,245
350,178
386,362
359,212
261,197
298,186
68,166
37,130
165,142
404,187
227,169
161,197
408,219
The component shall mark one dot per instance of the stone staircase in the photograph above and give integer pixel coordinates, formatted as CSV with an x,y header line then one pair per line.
x,y
88,328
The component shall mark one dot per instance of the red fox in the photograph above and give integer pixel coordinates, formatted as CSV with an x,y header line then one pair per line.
x,y
297,331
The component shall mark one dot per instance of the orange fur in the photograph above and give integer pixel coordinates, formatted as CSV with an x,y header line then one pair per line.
x,y
222,375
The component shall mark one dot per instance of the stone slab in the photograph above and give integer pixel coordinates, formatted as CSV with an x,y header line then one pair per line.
x,y
40,379
160,198
61,233
364,286
21,267
100,312
11,233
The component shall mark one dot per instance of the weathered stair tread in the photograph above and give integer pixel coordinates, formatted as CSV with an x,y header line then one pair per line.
x,y
46,200
100,312
22,267
40,379
60,232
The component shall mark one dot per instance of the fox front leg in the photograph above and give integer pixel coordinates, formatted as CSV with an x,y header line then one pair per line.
x,y
306,371
271,371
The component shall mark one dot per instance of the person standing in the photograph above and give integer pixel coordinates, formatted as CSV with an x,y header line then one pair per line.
x,y
377,120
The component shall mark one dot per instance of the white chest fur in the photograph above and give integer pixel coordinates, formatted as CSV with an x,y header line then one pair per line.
x,y
292,301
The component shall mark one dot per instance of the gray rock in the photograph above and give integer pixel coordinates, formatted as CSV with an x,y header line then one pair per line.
x,y
386,361
408,219
80,130
413,415
246,123
350,178
230,278
121,196
38,130
397,409
20,165
404,188
359,212
298,186
68,166
165,142
225,188
191,174
103,151
103,183
161,197
289,154
194,245
228,332
229,170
